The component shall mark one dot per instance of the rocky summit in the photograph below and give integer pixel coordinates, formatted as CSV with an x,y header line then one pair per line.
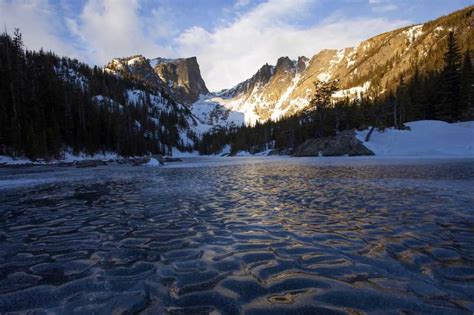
x,y
181,77
372,68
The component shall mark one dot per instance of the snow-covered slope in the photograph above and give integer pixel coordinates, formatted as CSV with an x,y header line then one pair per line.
x,y
430,138
372,67
180,78
210,111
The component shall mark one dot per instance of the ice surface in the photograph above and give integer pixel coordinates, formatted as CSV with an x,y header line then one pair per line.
x,y
240,235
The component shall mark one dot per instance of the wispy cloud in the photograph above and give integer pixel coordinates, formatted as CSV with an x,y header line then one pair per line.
x,y
382,6
241,3
246,35
109,28
233,52
38,22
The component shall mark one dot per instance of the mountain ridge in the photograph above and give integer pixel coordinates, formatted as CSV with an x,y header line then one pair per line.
x,y
373,67
180,77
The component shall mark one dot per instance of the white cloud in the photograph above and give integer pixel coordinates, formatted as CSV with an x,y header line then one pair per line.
x,y
228,54
234,52
38,24
241,3
382,6
385,8
109,28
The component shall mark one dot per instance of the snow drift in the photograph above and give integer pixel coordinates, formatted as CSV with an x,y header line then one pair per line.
x,y
425,138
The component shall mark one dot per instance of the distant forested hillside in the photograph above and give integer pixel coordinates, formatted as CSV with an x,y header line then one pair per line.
x,y
50,104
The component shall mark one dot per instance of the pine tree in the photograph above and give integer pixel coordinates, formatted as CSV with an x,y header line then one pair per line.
x,y
418,106
448,106
320,102
466,93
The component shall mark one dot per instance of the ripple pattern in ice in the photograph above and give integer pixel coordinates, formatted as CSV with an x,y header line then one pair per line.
x,y
252,238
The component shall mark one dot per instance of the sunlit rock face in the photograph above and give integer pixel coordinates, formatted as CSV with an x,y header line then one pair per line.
x,y
181,78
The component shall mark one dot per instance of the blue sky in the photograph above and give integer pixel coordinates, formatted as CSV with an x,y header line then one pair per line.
x,y
231,38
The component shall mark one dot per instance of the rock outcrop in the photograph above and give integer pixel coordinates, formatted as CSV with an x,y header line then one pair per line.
x,y
180,78
183,76
344,143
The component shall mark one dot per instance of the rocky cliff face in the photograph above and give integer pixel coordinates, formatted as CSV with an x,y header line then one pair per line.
x,y
262,97
373,67
183,76
135,66
179,77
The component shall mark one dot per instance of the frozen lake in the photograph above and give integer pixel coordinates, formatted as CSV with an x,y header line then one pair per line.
x,y
230,235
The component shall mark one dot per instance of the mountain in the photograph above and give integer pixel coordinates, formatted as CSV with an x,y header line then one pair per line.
x,y
182,76
179,77
372,67
264,96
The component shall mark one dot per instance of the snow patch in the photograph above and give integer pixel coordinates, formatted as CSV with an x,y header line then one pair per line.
x,y
212,111
354,92
307,62
177,153
68,157
153,162
263,153
153,63
102,100
67,74
106,156
133,61
278,111
225,150
8,160
243,153
413,33
426,138
324,76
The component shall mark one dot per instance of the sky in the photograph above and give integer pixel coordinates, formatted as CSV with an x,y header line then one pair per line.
x,y
231,39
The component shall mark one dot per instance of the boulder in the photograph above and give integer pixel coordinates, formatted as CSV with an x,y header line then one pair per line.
x,y
345,143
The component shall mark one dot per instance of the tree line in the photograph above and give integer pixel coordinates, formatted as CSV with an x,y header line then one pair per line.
x,y
447,94
50,104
